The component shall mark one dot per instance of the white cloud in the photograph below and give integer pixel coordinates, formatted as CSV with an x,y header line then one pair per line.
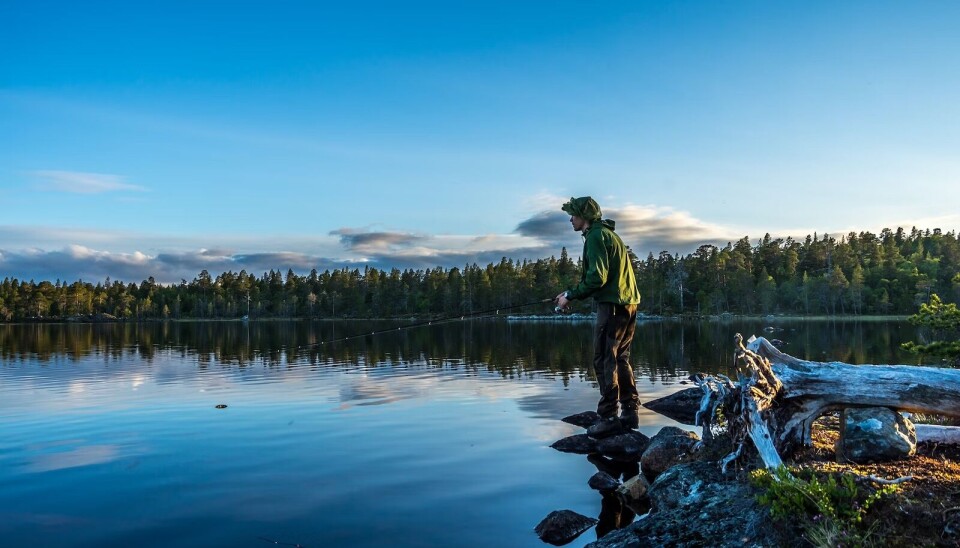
x,y
39,252
83,183
645,228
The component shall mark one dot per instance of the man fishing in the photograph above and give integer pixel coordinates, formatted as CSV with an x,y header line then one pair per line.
x,y
608,277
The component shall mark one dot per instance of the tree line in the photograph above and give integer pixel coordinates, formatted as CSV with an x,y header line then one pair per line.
x,y
861,273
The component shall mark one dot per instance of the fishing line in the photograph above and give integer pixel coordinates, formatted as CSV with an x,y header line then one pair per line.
x,y
490,311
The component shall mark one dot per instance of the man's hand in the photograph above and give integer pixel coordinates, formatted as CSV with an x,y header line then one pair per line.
x,y
562,300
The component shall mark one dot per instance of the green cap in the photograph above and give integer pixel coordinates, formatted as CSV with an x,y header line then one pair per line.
x,y
585,208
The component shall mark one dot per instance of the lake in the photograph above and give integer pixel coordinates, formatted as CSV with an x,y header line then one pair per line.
x,y
434,436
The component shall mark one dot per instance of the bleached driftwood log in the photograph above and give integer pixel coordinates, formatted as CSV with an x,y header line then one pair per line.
x,y
938,434
780,396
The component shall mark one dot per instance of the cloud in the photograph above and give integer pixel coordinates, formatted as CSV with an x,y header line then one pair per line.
x,y
83,183
407,250
78,262
38,252
646,229
374,242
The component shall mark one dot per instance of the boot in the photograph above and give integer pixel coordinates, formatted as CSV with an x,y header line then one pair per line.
x,y
605,428
629,419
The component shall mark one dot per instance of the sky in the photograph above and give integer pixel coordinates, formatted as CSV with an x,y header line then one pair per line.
x,y
159,139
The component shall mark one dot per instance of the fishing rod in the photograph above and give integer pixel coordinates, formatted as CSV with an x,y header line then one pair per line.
x,y
490,311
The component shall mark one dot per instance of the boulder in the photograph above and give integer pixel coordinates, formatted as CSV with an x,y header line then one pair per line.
x,y
875,434
670,446
626,447
680,406
580,444
562,526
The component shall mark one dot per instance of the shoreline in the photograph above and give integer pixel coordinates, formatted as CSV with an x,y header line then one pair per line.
x,y
576,317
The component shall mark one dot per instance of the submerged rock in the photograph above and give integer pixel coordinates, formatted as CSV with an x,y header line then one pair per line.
x,y
583,420
580,444
562,526
873,434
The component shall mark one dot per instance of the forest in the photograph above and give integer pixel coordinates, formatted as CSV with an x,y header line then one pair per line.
x,y
859,274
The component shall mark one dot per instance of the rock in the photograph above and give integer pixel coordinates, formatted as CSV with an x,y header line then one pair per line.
x,y
603,482
874,434
680,406
670,446
627,447
694,505
633,493
580,444
583,420
562,526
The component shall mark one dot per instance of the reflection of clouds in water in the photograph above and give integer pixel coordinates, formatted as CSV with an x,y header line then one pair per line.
x,y
380,389
551,431
551,406
554,405
80,456
390,385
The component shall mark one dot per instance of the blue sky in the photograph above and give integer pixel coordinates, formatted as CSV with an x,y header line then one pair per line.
x,y
162,139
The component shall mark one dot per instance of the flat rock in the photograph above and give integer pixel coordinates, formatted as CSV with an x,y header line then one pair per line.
x,y
626,447
562,526
603,482
583,420
680,406
580,444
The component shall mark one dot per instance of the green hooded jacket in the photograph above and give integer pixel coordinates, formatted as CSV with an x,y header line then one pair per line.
x,y
607,274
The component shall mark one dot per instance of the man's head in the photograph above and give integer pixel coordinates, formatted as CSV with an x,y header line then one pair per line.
x,y
583,212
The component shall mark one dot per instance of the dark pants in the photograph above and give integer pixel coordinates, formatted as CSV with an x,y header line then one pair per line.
x,y
612,336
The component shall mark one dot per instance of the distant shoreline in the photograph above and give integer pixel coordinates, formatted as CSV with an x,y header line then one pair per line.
x,y
511,318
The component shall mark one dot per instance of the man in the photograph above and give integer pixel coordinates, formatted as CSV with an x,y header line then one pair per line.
x,y
608,277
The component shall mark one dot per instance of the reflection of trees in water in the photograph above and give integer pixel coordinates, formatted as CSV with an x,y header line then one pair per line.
x,y
662,350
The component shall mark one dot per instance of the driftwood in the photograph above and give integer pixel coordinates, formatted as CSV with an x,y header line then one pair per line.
x,y
938,434
778,396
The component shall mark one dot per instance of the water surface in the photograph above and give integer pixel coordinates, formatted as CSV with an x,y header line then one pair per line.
x,y
435,436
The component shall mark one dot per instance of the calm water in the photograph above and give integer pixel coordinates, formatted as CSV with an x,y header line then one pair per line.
x,y
435,436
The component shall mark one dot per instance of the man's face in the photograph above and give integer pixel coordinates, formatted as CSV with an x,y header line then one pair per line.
x,y
578,223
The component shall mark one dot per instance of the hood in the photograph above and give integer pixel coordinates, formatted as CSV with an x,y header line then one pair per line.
x,y
585,208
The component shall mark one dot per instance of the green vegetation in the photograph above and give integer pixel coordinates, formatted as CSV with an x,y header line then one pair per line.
x,y
830,511
941,321
862,273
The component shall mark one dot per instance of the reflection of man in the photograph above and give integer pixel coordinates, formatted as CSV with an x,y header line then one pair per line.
x,y
607,276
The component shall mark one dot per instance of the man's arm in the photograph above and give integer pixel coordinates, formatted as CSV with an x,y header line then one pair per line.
x,y
598,267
